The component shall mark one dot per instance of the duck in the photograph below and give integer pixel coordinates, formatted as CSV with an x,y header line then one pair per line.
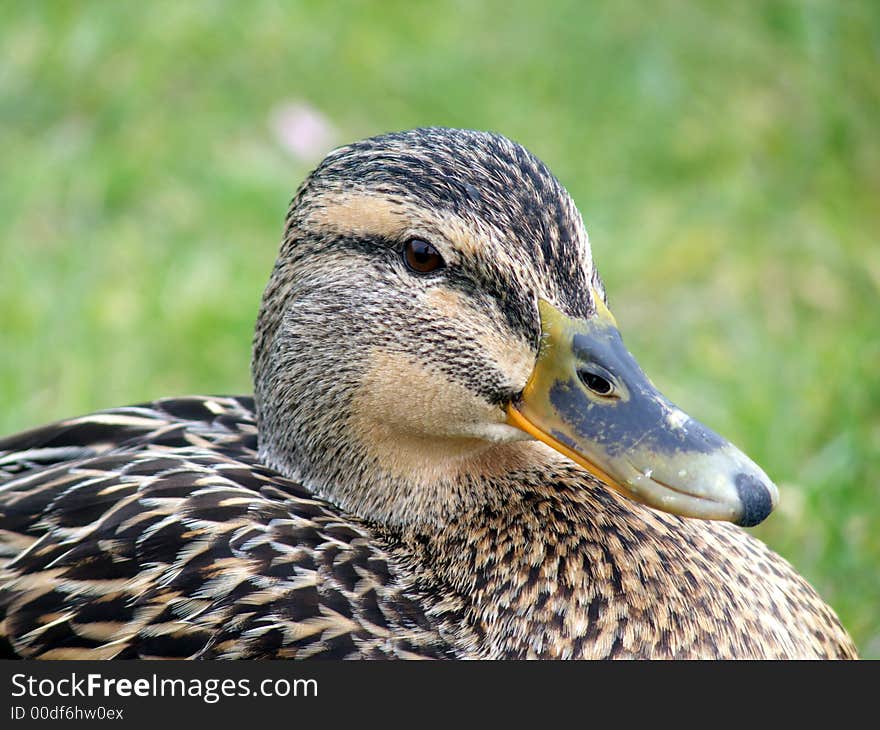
x,y
449,454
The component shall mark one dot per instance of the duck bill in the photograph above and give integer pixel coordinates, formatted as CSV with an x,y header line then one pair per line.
x,y
588,399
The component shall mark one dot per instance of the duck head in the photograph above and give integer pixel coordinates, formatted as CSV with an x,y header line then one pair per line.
x,y
435,322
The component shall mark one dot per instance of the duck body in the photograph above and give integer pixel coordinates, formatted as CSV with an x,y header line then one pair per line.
x,y
155,532
449,454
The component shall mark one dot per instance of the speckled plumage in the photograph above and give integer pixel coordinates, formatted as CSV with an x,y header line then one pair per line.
x,y
366,506
174,542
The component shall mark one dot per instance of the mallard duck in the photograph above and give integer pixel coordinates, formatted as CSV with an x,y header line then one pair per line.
x,y
449,454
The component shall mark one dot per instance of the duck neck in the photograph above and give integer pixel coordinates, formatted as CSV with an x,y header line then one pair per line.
x,y
546,574
403,480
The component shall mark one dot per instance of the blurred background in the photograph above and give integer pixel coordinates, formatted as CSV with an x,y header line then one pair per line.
x,y
726,161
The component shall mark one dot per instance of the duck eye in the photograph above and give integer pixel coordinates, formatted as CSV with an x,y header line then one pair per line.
x,y
596,383
421,257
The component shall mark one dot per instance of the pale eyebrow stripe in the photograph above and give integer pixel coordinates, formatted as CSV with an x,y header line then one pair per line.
x,y
360,215
365,215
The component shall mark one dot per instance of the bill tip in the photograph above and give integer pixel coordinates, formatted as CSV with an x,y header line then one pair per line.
x,y
756,497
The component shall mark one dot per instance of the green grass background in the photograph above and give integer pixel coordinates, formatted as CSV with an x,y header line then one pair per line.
x,y
726,158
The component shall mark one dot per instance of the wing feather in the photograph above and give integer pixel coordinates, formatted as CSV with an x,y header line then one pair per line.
x,y
153,532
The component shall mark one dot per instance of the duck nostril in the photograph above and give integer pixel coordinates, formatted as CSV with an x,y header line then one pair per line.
x,y
757,503
596,383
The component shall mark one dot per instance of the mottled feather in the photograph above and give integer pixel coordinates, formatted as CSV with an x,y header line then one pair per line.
x,y
174,542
